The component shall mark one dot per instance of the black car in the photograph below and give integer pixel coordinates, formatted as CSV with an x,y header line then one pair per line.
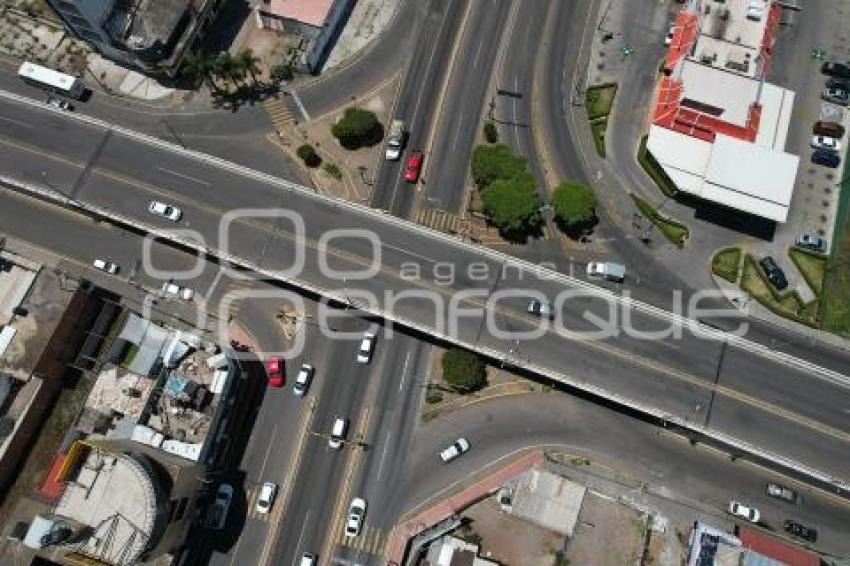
x,y
796,529
836,82
826,158
774,273
834,69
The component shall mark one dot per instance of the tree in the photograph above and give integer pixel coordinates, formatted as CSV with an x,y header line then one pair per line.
x,y
227,68
282,72
200,65
492,162
248,63
357,127
463,370
308,155
491,134
512,205
574,205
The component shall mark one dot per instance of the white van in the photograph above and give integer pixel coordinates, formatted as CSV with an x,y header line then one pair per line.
x,y
307,559
338,432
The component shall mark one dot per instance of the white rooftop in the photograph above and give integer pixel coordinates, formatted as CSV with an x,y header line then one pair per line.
x,y
729,37
729,93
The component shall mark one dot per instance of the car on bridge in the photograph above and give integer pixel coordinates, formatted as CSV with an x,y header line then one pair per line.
x,y
274,371
414,167
540,308
166,211
742,511
356,514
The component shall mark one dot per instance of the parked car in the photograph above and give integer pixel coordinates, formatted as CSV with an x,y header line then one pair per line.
x,y
303,379
837,82
364,354
811,242
414,166
107,266
836,96
540,308
218,510
274,371
457,448
826,158
825,128
176,291
751,514
356,514
834,69
267,496
338,433
781,492
165,210
796,529
58,103
826,142
774,273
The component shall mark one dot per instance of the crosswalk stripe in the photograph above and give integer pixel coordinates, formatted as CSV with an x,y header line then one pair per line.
x,y
279,113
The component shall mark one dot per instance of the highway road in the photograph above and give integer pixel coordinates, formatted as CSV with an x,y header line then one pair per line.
x,y
398,469
705,384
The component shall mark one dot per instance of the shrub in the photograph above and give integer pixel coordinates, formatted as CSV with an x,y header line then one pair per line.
x,y
464,370
512,205
491,134
574,205
357,127
282,72
308,155
492,162
333,170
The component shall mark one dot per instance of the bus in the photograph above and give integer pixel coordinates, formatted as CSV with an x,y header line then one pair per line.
x,y
51,80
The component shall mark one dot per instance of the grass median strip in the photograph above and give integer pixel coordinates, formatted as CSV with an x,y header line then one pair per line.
x,y
673,230
599,99
812,266
788,305
654,170
726,264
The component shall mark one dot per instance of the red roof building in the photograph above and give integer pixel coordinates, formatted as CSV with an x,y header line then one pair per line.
x,y
777,549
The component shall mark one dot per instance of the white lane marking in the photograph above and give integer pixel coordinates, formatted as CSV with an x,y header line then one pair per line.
x,y
458,132
295,559
383,456
477,53
268,451
404,372
183,176
214,283
16,122
300,105
408,252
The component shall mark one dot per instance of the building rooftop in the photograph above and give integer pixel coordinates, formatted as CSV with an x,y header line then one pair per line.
x,y
123,524
155,21
310,12
776,549
547,500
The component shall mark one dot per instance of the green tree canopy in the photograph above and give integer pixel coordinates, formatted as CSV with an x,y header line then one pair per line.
x,y
492,162
356,128
512,205
575,205
464,370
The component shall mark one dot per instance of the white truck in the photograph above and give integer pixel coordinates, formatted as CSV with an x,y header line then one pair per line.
x,y
395,140
606,269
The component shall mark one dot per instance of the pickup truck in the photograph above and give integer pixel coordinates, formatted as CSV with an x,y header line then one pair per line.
x,y
606,269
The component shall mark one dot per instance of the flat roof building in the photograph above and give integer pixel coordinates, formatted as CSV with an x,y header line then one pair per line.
x,y
718,129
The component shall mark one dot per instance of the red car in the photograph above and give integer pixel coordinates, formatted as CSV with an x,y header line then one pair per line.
x,y
414,165
274,371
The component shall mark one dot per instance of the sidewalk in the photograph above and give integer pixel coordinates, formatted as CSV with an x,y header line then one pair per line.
x,y
367,21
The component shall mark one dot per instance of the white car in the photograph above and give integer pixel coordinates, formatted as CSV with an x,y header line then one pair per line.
x,y
176,291
218,512
303,379
307,559
668,39
165,210
356,514
267,495
338,432
364,354
751,514
826,142
105,265
458,447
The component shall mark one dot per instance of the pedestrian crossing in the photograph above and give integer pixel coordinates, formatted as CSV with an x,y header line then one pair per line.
x,y
252,494
279,113
371,539
438,220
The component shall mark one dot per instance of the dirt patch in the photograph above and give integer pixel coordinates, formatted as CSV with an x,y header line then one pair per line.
x,y
607,533
509,540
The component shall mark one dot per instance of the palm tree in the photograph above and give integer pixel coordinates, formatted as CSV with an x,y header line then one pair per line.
x,y
248,62
197,66
226,67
